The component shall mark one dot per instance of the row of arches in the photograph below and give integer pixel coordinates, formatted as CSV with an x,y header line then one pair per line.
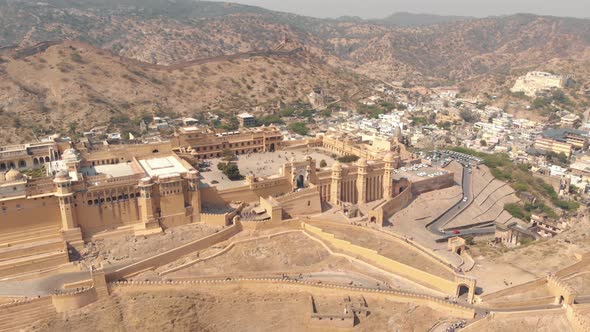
x,y
37,161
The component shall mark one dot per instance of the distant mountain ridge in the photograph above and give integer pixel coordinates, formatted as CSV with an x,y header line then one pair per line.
x,y
419,48
405,19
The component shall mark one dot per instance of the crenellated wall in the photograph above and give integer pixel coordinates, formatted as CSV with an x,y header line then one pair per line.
x,y
395,267
74,300
451,309
174,254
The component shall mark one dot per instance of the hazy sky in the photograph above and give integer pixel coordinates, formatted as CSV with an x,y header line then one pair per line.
x,y
382,8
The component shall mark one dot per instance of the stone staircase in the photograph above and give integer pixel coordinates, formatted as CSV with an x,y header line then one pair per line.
x,y
18,317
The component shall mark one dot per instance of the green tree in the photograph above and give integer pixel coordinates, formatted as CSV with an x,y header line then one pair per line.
x,y
228,155
323,163
299,127
469,116
483,142
232,171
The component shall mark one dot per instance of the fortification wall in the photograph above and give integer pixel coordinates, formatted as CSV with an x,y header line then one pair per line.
x,y
215,219
383,212
545,300
431,184
22,216
174,254
249,193
273,209
304,202
451,309
581,265
413,274
562,291
578,322
73,300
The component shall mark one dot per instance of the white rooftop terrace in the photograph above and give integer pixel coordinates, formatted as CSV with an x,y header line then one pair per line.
x,y
114,170
163,166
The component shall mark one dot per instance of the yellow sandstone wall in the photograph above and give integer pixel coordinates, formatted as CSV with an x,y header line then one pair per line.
x,y
96,218
304,202
419,276
174,254
75,300
247,193
20,217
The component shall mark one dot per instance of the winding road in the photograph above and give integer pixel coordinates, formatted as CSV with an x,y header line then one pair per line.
x,y
437,225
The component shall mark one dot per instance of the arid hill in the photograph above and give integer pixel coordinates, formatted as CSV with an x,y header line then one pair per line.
x,y
95,78
449,50
72,86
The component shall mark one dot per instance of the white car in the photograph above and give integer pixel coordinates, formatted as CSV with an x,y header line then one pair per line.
x,y
465,199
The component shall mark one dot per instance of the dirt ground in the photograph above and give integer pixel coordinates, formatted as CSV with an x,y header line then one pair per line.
x,y
581,283
232,308
525,263
125,249
290,254
385,245
529,323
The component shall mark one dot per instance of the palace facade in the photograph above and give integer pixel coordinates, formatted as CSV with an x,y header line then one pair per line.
x,y
140,189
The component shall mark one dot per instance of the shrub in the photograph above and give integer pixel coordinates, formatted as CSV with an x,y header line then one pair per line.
x,y
517,211
348,158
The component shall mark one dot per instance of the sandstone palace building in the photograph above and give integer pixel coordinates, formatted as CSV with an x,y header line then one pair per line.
x,y
86,191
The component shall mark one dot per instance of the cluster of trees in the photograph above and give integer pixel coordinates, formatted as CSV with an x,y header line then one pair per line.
x,y
557,96
230,170
469,116
521,180
299,127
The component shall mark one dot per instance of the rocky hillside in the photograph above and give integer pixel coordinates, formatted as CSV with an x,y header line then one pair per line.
x,y
73,86
480,54
421,48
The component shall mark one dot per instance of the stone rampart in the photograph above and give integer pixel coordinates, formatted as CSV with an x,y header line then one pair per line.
x,y
74,300
563,292
578,322
431,184
174,254
224,251
383,212
453,309
415,246
582,264
408,272
304,202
